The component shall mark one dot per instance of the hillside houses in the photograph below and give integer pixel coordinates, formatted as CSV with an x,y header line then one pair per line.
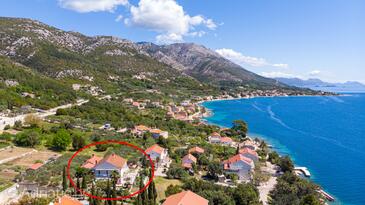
x,y
196,150
140,130
185,198
240,165
104,167
158,154
66,200
188,161
216,138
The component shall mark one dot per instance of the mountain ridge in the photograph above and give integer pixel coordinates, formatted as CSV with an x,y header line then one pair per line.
x,y
318,84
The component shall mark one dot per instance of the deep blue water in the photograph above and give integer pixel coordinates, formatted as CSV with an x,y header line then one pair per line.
x,y
325,134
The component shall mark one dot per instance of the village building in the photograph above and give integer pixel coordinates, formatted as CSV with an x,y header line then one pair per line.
x,y
156,133
158,154
196,150
139,130
188,161
240,165
66,200
90,163
185,198
249,153
35,166
106,166
215,138
249,144
226,141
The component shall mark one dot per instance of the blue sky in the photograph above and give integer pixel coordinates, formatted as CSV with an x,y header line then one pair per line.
x,y
302,38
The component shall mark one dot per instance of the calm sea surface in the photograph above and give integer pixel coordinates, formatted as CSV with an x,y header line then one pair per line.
x,y
325,134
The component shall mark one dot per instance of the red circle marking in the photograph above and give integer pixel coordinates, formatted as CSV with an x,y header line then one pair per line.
x,y
110,142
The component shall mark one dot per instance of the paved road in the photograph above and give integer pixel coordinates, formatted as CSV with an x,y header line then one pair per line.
x,y
11,120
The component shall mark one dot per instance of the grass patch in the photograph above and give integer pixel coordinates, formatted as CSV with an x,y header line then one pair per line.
x,y
4,185
3,144
162,184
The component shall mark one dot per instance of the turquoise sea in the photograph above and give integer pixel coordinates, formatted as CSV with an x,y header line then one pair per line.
x,y
325,134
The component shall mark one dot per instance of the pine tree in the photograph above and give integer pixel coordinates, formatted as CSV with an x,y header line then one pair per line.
x,y
64,180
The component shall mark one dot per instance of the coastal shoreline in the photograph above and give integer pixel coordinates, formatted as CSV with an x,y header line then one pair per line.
x,y
211,113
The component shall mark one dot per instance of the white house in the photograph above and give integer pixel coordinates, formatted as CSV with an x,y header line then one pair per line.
x,y
240,165
157,154
156,133
188,161
249,153
113,162
215,138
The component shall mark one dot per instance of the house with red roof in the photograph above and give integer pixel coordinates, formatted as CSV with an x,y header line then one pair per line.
x,y
90,163
249,153
67,200
35,166
188,161
215,138
157,154
156,133
240,165
185,198
197,150
108,165
226,141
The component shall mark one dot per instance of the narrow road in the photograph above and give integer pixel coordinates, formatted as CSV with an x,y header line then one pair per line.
x,y
11,120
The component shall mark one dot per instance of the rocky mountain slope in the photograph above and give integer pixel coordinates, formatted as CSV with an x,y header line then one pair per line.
x,y
109,65
317,84
205,64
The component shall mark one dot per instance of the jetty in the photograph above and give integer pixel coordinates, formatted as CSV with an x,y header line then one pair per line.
x,y
303,170
326,195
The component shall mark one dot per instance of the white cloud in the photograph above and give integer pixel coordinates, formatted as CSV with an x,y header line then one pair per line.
x,y
119,18
314,73
241,59
84,6
276,74
169,38
168,18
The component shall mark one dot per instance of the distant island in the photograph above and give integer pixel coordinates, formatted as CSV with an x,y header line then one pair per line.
x,y
317,84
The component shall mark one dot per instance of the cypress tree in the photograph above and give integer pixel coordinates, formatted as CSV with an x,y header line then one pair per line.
x,y
91,200
152,193
78,185
83,185
64,179
114,192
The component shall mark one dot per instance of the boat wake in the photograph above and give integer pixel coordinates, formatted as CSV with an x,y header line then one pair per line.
x,y
274,117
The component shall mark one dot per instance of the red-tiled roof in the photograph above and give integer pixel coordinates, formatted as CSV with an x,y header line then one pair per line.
x,y
155,148
90,163
191,157
236,158
156,131
142,128
226,139
66,200
35,166
248,151
185,198
196,150
115,160
215,134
